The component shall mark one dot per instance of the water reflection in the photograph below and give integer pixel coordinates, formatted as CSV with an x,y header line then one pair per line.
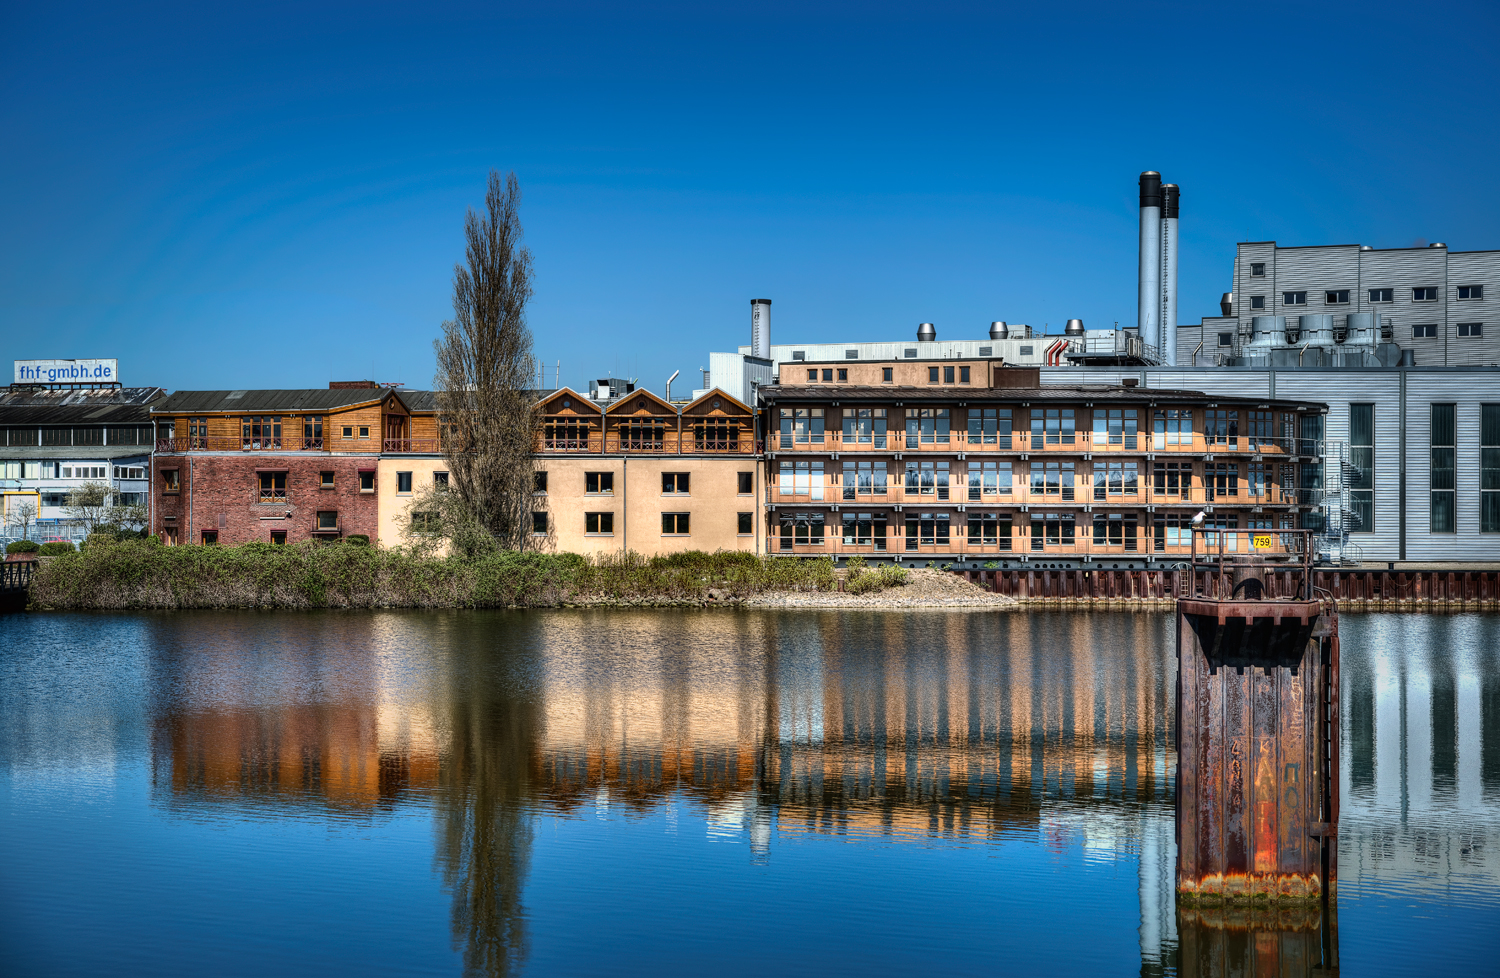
x,y
963,731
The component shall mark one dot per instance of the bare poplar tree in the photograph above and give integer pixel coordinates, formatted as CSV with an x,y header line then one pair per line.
x,y
485,367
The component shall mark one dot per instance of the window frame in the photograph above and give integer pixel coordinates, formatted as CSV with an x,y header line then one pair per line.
x,y
1442,469
676,524
603,524
1475,293
1469,331
1296,297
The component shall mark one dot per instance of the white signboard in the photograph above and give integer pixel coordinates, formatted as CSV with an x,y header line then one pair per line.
x,y
67,371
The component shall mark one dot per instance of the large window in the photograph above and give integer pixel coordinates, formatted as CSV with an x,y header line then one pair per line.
x,y
312,431
261,431
927,529
865,426
272,487
1489,468
674,483
1172,426
1441,483
865,530
989,479
1116,426
1362,466
801,529
990,426
864,479
800,478
929,425
1221,479
602,524
1116,479
990,530
1310,480
674,524
801,426
1260,429
1052,479
1115,530
1172,479
1052,426
1053,530
1221,429
927,479
597,483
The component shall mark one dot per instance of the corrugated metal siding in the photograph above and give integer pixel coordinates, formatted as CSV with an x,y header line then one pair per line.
x,y
1469,390
1475,268
1315,271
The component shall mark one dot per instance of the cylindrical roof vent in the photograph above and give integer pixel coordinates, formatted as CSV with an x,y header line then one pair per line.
x,y
926,333
1437,244
998,330
1074,328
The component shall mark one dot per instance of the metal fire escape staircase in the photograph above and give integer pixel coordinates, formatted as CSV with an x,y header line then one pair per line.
x,y
1338,513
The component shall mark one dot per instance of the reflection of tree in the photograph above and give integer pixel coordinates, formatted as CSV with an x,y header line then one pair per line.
x,y
484,825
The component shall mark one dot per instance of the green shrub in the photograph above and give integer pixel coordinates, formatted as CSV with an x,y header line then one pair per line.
x,y
100,538
22,547
56,548
358,539
992,565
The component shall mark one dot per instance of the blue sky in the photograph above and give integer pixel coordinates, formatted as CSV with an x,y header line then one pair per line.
x,y
273,196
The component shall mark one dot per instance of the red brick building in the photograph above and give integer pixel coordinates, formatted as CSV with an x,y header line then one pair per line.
x,y
272,466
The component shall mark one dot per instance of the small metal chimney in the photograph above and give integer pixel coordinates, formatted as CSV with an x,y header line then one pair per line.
x,y
760,328
669,384
926,333
1074,328
999,331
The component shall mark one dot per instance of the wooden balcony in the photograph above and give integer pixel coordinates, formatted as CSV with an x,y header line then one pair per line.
x,y
670,443
219,443
412,446
1061,444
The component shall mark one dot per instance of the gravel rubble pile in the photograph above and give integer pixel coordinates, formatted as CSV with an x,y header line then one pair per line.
x,y
924,589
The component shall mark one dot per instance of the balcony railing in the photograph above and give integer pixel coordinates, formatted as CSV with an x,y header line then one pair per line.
x,y
670,443
272,497
412,446
219,443
1273,543
1187,443
1019,495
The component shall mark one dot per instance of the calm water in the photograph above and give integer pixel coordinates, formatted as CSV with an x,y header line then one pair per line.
x,y
580,792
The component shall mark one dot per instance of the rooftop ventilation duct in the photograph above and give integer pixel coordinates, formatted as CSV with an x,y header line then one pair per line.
x,y
1074,328
999,331
926,333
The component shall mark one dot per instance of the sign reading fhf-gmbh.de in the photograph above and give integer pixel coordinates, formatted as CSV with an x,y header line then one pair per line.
x,y
67,371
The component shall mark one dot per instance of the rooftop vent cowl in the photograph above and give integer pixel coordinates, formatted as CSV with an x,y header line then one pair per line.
x,y
1074,328
926,333
999,331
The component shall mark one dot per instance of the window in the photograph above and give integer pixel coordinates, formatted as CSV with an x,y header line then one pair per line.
x,y
1470,329
927,529
910,353
272,487
746,483
367,481
1489,468
328,519
1257,269
745,524
1294,298
425,522
348,431
827,375
1471,292
403,483
1226,339
865,530
1382,295
802,426
1116,479
674,483
278,537
129,472
599,483
1115,530
1171,530
1427,294
1052,426
1116,426
364,431
989,479
1221,479
539,481
1171,426
1172,479
801,479
947,375
1256,479
1027,351
963,375
210,537
802,530
990,530
1424,330
261,432
865,426
676,524
927,426
932,375
602,524
927,479
440,481
169,480
325,480
812,376
886,374
1259,429
864,479
1053,530
986,351
843,374
198,433
851,354
312,431
1362,462
1442,447
1053,479
1257,302
990,426
799,354
1221,428
1310,477
1336,297
538,523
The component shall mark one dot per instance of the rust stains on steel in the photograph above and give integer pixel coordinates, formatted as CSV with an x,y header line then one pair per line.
x,y
1256,687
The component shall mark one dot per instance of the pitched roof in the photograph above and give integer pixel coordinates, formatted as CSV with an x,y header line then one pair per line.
x,y
1072,392
98,406
316,399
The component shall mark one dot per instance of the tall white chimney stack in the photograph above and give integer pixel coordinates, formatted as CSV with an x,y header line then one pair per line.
x,y
1170,193
1149,299
760,328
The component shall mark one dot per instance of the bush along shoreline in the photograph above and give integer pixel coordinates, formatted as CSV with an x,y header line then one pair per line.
x,y
143,574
